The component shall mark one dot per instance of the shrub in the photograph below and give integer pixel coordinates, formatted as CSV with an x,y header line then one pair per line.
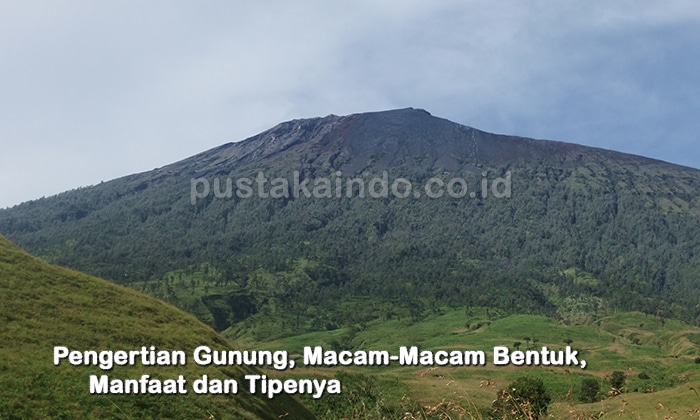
x,y
590,390
617,380
526,397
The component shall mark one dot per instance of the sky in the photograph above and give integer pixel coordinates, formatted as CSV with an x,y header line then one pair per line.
x,y
92,91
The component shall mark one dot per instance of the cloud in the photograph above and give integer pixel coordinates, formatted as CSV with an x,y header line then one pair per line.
x,y
94,91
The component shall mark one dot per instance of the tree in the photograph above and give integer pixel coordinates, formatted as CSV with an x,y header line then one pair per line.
x,y
590,389
526,397
617,379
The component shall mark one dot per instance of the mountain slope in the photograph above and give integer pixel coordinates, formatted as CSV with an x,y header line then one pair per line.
x,y
42,306
597,228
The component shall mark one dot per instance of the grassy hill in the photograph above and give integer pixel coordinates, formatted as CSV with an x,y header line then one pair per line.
x,y
42,306
658,357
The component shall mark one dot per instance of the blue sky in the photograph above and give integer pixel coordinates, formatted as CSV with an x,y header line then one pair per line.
x,y
91,91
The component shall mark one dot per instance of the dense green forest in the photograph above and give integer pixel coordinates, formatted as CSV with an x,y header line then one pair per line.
x,y
584,232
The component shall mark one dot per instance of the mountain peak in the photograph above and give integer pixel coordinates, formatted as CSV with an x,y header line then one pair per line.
x,y
389,138
408,111
397,131
379,140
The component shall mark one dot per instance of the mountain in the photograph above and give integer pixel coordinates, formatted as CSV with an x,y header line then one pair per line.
x,y
43,306
559,229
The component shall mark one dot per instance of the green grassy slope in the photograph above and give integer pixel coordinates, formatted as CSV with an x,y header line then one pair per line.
x,y
42,306
658,357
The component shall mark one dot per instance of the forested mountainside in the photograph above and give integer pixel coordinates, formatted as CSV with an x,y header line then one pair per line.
x,y
559,229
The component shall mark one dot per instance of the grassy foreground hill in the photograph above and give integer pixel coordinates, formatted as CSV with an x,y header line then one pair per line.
x,y
659,358
42,306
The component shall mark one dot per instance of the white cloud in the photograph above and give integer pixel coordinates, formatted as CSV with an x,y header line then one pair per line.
x,y
92,91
